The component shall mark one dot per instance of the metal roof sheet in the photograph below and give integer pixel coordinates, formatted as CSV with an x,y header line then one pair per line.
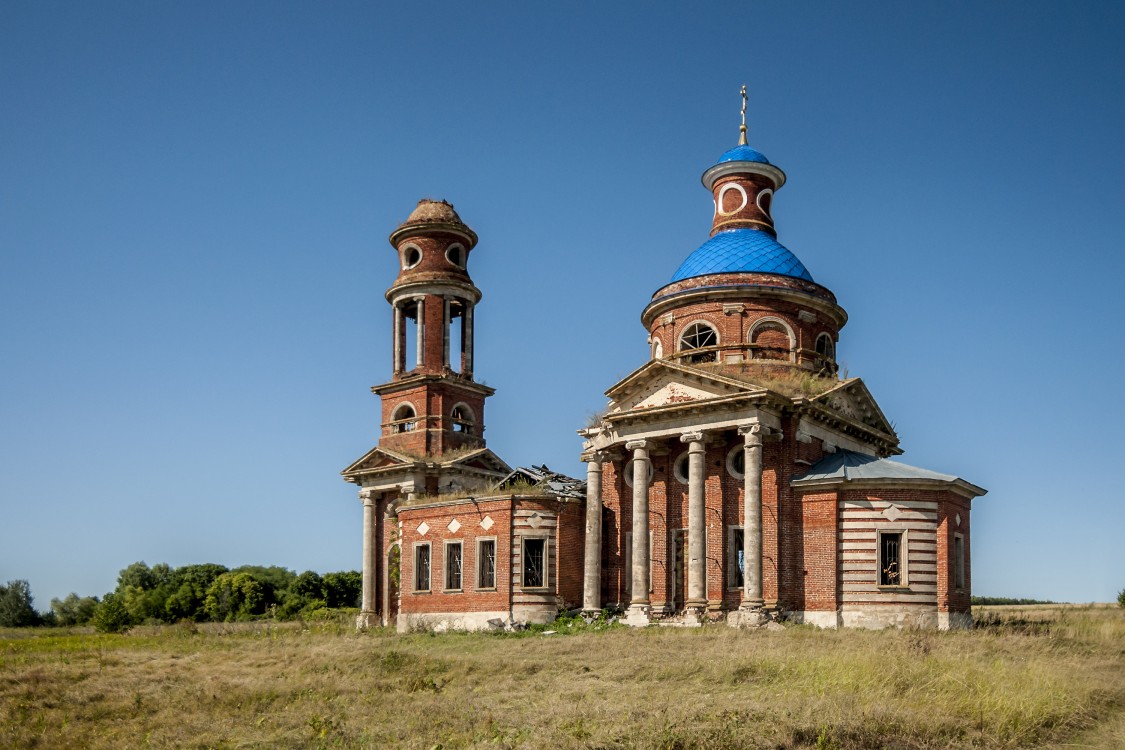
x,y
742,250
851,466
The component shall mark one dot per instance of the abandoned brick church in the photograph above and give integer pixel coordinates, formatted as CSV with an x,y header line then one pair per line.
x,y
759,484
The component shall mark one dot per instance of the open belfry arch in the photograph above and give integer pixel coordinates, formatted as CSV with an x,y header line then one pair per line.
x,y
734,476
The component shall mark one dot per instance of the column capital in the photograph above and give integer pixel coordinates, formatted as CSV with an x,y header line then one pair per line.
x,y
692,437
596,457
753,428
635,445
368,496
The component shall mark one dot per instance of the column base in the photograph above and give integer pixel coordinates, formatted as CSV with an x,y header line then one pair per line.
x,y
748,617
367,620
694,616
638,615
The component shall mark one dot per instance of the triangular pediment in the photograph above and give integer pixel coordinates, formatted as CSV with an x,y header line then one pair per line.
x,y
662,383
377,458
482,459
852,401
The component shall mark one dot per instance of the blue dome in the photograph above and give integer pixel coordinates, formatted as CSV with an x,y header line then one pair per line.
x,y
742,250
744,153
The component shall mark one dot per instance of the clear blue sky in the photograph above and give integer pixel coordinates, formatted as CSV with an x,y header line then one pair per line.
x,y
195,200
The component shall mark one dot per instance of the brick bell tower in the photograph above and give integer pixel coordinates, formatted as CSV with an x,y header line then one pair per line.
x,y
432,406
431,431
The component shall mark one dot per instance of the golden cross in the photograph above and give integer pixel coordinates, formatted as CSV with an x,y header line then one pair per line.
x,y
742,128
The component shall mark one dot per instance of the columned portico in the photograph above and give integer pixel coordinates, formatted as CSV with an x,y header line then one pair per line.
x,y
752,601
592,572
367,616
639,613
696,603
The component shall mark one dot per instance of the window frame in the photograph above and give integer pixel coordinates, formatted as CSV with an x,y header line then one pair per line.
x,y
406,249
903,557
546,540
445,571
480,542
732,455
734,571
707,352
959,576
418,548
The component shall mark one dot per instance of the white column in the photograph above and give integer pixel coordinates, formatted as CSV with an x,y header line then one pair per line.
x,y
398,338
467,338
592,574
696,602
370,552
752,520
640,608
421,331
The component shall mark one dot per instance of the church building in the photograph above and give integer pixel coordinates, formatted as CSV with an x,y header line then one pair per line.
x,y
734,476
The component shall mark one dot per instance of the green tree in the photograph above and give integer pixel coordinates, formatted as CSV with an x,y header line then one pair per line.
x,y
74,610
342,589
234,596
188,591
1121,598
110,616
15,605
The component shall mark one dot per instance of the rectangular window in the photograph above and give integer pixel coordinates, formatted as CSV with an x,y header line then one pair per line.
x,y
486,564
736,562
453,566
534,563
422,567
891,559
958,561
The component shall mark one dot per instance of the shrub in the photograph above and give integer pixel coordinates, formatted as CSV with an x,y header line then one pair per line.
x,y
1121,598
111,615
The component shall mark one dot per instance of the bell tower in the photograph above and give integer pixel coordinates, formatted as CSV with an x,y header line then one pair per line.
x,y
432,406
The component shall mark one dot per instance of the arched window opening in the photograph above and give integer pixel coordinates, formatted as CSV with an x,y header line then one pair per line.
x,y
824,346
411,256
463,420
771,341
403,419
455,254
698,336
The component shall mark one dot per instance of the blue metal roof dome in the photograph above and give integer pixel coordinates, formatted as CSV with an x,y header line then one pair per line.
x,y
742,250
742,152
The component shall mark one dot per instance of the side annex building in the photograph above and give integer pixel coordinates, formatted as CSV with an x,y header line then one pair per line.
x,y
759,484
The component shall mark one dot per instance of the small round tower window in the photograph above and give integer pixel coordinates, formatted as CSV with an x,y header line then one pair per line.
x,y
455,254
411,257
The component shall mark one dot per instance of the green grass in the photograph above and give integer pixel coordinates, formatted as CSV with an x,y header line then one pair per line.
x,y
1018,682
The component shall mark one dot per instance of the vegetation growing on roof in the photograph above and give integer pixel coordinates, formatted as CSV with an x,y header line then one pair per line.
x,y
791,382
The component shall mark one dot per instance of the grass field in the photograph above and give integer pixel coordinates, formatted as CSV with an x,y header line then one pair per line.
x,y
1031,677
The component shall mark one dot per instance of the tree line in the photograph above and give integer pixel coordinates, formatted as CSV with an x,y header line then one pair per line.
x,y
204,592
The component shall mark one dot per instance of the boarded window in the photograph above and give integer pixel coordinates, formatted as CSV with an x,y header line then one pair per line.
x,y
534,563
422,567
890,559
486,564
771,341
453,566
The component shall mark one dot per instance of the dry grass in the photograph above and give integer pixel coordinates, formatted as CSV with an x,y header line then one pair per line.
x,y
266,685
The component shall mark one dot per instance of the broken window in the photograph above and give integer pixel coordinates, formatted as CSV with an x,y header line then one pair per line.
x,y
486,564
698,336
736,558
462,419
534,563
422,567
890,559
824,345
403,419
453,566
